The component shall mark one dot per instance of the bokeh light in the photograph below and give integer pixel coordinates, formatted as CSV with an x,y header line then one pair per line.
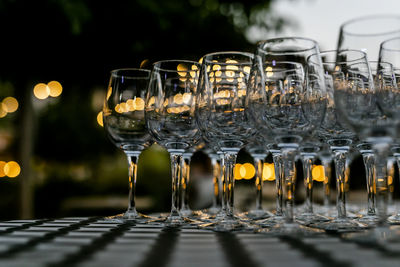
x,y
269,172
318,173
12,169
2,164
100,118
236,171
3,110
55,88
244,171
10,104
247,171
41,91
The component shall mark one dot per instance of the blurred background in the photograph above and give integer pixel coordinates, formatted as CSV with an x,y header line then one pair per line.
x,y
56,55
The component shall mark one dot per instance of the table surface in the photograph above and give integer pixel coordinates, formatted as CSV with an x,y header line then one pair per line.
x,y
97,242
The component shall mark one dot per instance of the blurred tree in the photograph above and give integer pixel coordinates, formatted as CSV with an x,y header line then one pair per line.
x,y
78,42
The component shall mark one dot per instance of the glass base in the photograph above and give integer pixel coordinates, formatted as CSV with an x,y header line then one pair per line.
x,y
195,217
228,224
174,221
327,211
394,219
132,216
291,229
212,211
258,214
378,235
309,218
341,225
270,222
370,220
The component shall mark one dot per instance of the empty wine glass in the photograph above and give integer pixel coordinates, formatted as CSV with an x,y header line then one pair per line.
x,y
170,118
220,113
390,96
284,104
338,136
357,105
125,125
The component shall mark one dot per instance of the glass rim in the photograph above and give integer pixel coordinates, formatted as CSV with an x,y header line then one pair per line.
x,y
261,43
114,73
156,67
370,17
248,54
362,55
384,43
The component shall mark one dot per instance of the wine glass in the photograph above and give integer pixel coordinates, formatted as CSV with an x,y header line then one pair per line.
x,y
284,104
125,125
169,113
220,113
390,96
367,33
338,137
357,105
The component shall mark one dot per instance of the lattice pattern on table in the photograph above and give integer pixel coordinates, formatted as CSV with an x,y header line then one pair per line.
x,y
95,242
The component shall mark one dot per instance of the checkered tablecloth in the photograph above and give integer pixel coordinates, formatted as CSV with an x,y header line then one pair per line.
x,y
95,242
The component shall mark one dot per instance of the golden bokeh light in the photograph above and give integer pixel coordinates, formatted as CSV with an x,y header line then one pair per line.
x,y
131,105
118,108
139,103
318,173
100,118
232,61
10,104
55,88
182,70
41,91
268,172
249,171
144,63
246,69
12,169
187,97
216,67
178,99
123,107
236,171
2,164
244,171
3,110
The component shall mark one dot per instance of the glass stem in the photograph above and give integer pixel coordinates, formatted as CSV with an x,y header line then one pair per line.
x,y
175,170
230,160
185,173
216,177
224,187
381,181
308,161
277,157
132,161
326,185
289,170
340,156
259,164
369,163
